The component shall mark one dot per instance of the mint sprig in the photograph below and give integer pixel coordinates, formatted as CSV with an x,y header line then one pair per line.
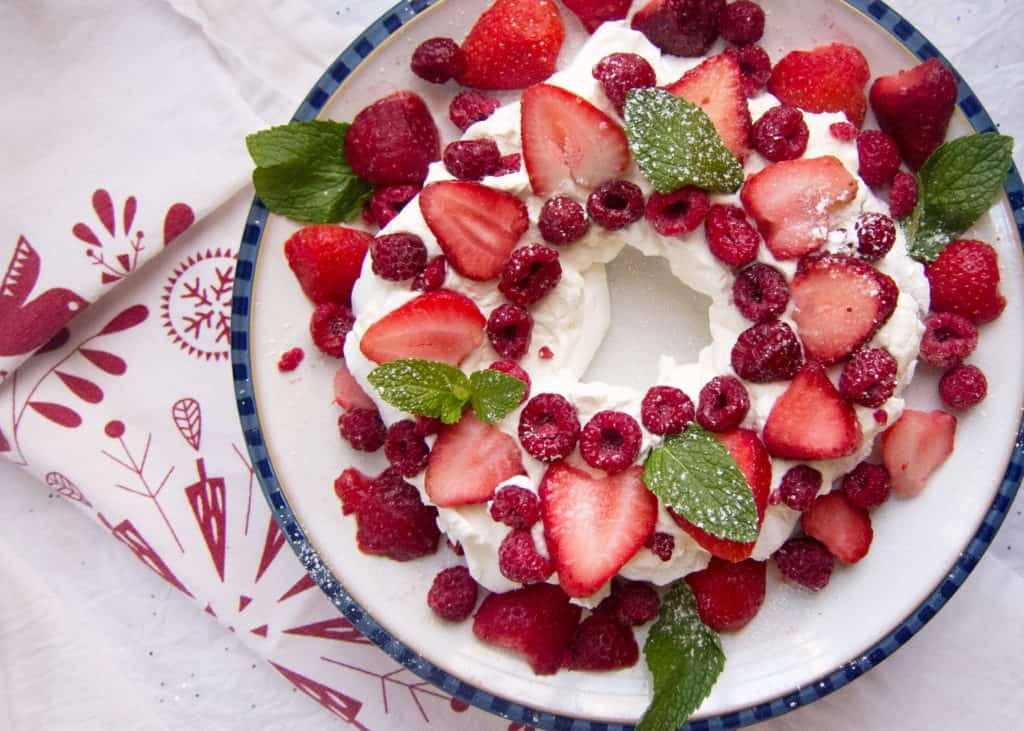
x,y
675,144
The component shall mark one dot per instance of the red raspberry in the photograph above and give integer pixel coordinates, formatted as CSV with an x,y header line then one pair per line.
x,y
760,292
387,201
398,256
546,353
677,213
843,131
350,487
427,425
806,562
661,545
869,377
681,27
741,22
519,561
876,233
600,643
290,360
799,487
610,441
513,369
780,134
363,429
755,65
965,280
453,594
963,386
867,485
948,339
516,507
432,276
902,195
469,107
728,594
631,603
665,410
766,352
879,157
562,221
549,427
393,140
392,521
455,547
405,448
731,238
529,274
616,204
329,326
723,404
510,164
880,417
472,159
509,329
437,60
620,72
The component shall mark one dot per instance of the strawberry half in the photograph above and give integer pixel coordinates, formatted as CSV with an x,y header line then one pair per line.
x,y
477,227
716,86
565,136
327,260
844,528
839,302
915,446
594,525
827,79
393,141
791,201
348,394
468,462
441,325
594,12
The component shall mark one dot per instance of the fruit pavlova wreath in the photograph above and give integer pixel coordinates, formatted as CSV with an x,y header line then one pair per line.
x,y
564,496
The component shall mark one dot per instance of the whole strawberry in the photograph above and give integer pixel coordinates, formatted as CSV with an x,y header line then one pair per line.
x,y
393,140
965,280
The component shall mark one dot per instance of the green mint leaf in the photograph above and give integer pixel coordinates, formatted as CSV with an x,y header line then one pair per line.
x,y
955,187
675,144
695,475
301,172
685,658
423,387
495,394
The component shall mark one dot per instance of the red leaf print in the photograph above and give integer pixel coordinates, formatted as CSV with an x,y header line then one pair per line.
x,y
179,217
84,233
65,487
56,413
129,536
261,630
303,584
339,629
5,446
81,387
104,207
272,544
125,261
129,214
106,362
188,417
127,319
334,701
207,500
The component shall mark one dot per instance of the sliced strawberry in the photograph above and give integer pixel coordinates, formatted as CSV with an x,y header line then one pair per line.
x,y
791,200
844,528
838,303
915,446
567,137
468,462
477,227
716,86
393,141
810,420
827,79
594,12
327,260
513,44
729,594
440,325
594,525
348,394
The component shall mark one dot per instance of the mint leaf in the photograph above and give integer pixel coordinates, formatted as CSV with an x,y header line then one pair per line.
x,y
675,144
301,172
684,656
495,394
955,187
423,387
695,475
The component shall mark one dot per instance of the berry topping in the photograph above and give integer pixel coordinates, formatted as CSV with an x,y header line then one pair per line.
x,y
827,79
963,386
469,461
350,487
327,260
799,487
329,325
428,425
529,274
843,131
729,595
440,325
902,195
631,603
562,221
398,256
348,394
393,141
768,351
844,528
470,107
616,204
387,201
405,448
509,329
290,360
610,441
513,369
472,159
723,404
519,561
594,12
432,277
549,427
878,156
620,72
948,339
665,410
760,292
392,521
780,134
510,164
453,594
876,233
869,377
965,280
741,22
437,60
915,446
680,27
363,429
867,485
716,86
661,545
546,353
516,507
601,643
806,562
755,67
677,213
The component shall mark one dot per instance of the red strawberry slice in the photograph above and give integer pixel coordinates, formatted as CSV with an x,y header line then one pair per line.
x,y
965,280
348,394
838,304
477,227
716,86
791,200
393,141
755,464
729,595
567,137
327,260
593,525
915,446
513,44
440,325
594,12
469,461
827,79
810,420
844,528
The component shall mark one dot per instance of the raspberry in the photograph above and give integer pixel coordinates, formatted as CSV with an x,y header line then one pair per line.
x,y
902,195
723,403
760,292
393,140
509,164
329,326
562,221
455,547
755,65
665,410
427,425
768,351
965,280
472,159
780,134
600,643
610,441
513,369
509,329
867,485
728,594
546,353
529,274
677,213
469,107
881,417
405,448
519,561
948,339
879,157
741,22
516,507
620,72
398,256
549,427
631,603
453,594
963,386
432,276
290,360
363,429
869,377
392,521
799,487
661,545
682,27
616,204
876,233
437,60
806,562
387,201
731,239
350,487
843,131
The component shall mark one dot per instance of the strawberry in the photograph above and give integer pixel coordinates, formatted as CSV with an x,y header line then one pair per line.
x,y
327,260
791,200
810,420
729,594
565,136
844,528
915,446
594,12
716,86
513,44
348,394
440,325
393,141
827,79
536,621
593,525
600,643
468,462
914,107
838,303
964,279
477,227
